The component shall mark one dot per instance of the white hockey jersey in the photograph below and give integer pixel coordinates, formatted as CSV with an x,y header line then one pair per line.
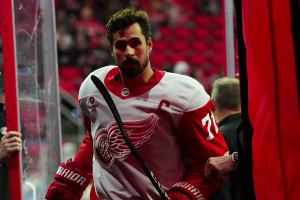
x,y
169,121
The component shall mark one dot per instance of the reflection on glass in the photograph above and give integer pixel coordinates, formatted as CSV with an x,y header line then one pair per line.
x,y
38,95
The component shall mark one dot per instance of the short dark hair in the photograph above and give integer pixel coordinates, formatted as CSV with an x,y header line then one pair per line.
x,y
124,18
226,93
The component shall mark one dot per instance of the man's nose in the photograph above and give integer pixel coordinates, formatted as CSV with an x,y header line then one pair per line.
x,y
129,52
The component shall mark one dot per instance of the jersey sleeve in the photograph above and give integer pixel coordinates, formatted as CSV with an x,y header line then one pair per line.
x,y
201,138
84,157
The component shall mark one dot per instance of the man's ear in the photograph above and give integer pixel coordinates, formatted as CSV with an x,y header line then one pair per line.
x,y
150,45
111,50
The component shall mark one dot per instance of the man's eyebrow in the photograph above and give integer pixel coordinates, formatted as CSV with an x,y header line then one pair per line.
x,y
134,38
131,39
120,41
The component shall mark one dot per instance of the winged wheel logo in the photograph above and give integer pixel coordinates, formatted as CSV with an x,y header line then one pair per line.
x,y
109,143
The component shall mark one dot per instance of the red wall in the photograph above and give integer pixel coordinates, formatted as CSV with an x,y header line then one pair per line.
x,y
273,99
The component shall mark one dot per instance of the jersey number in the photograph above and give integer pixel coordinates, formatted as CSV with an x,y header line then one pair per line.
x,y
207,120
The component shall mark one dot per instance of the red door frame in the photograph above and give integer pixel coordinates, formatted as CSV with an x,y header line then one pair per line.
x,y
11,92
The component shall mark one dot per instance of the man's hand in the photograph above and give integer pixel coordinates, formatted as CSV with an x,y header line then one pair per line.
x,y
70,182
215,167
11,142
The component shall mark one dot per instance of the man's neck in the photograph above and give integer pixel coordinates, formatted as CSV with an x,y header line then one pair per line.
x,y
142,78
221,114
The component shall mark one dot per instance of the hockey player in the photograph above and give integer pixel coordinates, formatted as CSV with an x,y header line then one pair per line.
x,y
167,116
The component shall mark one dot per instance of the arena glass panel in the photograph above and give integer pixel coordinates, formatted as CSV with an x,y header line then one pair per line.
x,y
38,95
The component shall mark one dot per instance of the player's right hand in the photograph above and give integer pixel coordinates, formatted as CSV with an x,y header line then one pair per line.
x,y
70,182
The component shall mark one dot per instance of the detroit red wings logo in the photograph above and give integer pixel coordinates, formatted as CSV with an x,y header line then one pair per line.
x,y
109,144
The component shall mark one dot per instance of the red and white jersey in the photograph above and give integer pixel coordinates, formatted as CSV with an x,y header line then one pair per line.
x,y
169,121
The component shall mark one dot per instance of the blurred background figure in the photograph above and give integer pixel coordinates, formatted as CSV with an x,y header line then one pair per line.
x,y
227,111
181,67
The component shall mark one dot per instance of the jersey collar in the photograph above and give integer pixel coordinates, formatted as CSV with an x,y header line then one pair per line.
x,y
113,83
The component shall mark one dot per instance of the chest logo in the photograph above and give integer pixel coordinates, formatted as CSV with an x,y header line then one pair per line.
x,y
92,100
125,92
92,105
109,143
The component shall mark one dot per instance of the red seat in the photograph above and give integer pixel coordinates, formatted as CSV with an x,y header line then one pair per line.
x,y
219,21
182,33
201,33
203,20
157,60
70,72
177,57
199,45
198,59
166,34
160,46
67,86
218,33
180,45
218,46
218,59
164,31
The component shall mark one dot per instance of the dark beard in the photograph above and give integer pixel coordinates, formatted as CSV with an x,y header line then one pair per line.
x,y
133,72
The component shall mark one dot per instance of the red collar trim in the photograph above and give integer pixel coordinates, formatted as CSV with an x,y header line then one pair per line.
x,y
116,87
